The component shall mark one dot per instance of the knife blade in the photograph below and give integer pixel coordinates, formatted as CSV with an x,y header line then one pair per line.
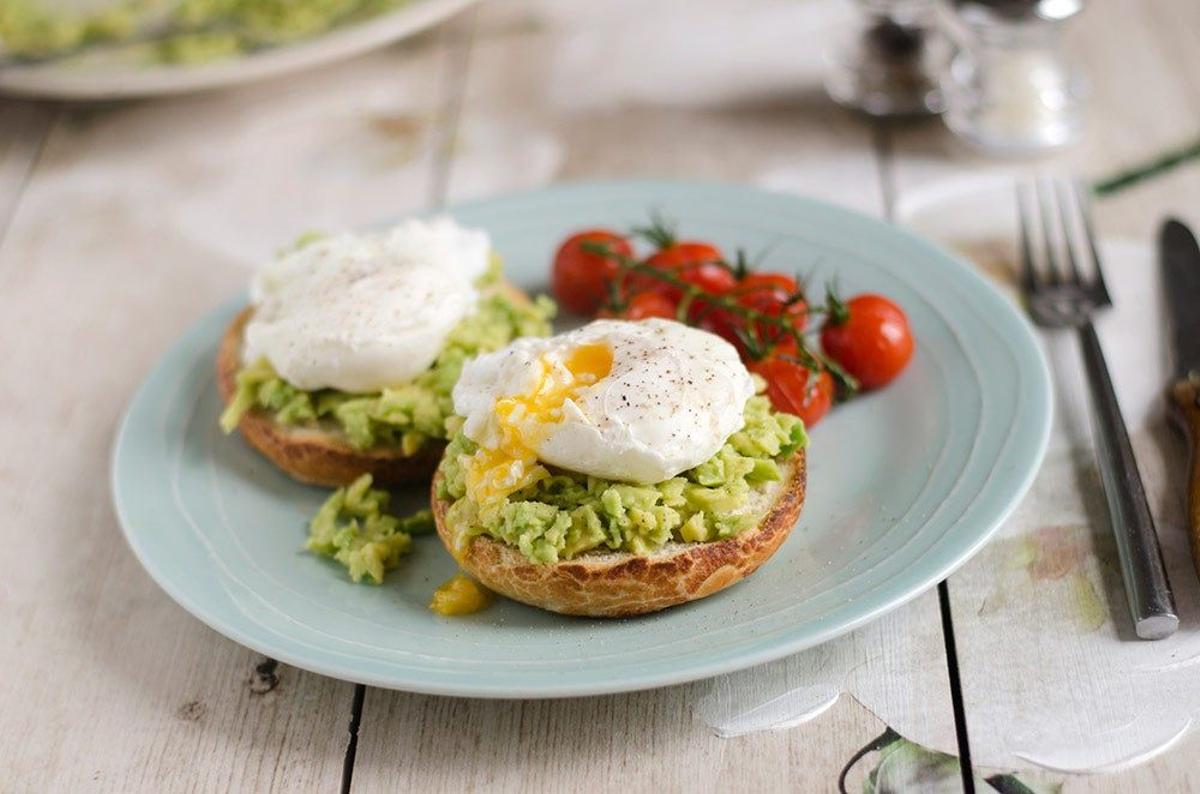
x,y
1180,255
1181,279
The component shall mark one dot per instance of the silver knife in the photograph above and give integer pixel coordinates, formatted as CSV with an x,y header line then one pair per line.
x,y
1181,280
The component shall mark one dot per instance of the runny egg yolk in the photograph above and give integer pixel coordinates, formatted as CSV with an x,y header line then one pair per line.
x,y
523,421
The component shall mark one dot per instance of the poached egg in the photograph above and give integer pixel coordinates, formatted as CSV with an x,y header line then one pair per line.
x,y
637,402
360,313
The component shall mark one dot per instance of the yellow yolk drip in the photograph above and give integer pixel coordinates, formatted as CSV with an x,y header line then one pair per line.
x,y
459,595
523,421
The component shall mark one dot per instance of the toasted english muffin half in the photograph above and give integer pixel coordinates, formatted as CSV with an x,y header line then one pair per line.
x,y
323,455
620,584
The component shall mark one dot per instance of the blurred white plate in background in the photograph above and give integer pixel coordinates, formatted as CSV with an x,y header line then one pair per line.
x,y
102,77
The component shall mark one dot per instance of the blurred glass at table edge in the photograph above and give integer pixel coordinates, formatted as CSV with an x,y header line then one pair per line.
x,y
889,62
996,69
1011,86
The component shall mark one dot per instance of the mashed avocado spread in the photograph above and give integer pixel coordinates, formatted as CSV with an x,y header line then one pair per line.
x,y
409,414
563,514
353,527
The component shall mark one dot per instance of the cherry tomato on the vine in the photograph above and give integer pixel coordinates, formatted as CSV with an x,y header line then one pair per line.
x,y
768,281
719,321
710,277
772,305
678,255
774,295
873,344
580,278
698,264
791,388
649,304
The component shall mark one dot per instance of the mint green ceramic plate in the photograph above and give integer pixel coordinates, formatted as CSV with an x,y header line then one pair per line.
x,y
904,485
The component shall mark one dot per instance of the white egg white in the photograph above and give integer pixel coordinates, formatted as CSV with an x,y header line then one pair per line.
x,y
360,313
671,399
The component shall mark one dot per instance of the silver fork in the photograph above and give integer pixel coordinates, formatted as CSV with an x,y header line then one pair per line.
x,y
1064,297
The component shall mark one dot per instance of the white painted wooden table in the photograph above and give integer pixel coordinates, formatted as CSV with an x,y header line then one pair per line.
x,y
121,225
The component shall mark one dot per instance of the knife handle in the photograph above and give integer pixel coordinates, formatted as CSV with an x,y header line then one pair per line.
x,y
1147,588
1185,397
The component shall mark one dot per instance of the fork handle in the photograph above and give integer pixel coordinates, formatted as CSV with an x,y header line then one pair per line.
x,y
1185,398
1150,600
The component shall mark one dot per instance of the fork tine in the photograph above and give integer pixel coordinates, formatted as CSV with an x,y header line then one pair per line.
x,y
1046,207
1083,200
1068,229
1028,272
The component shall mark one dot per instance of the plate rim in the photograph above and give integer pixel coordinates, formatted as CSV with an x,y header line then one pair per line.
x,y
884,600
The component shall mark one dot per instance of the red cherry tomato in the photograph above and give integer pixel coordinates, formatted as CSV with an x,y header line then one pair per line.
x,y
772,281
695,263
719,321
786,347
874,344
775,305
773,294
678,255
711,278
790,390
649,304
580,278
